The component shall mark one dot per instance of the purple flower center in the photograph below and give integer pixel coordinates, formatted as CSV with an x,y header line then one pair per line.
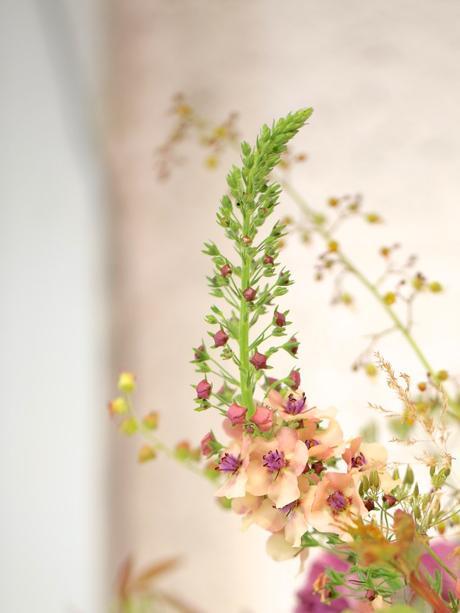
x,y
311,442
229,463
274,461
338,501
294,405
358,460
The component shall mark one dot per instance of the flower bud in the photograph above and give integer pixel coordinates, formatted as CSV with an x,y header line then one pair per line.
x,y
263,418
259,361
118,406
200,354
128,426
206,444
146,453
249,294
293,346
268,260
220,338
203,389
236,414
294,375
126,382
150,420
279,319
371,595
226,270
369,504
389,500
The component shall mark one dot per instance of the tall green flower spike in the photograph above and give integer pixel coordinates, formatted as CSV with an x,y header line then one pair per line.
x,y
251,200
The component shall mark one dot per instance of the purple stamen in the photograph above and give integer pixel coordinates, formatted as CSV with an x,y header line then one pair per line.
x,y
338,501
294,405
311,442
274,461
229,463
358,460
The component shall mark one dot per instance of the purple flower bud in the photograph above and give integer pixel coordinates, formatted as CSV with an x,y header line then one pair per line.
x,y
311,442
268,260
200,352
279,319
203,389
274,461
206,444
226,270
249,294
369,504
294,405
220,338
229,463
371,595
389,500
294,375
259,360
338,501
236,414
294,345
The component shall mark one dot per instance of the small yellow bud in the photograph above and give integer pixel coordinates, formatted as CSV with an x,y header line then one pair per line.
x,y
441,528
373,218
211,161
435,287
319,219
146,453
422,386
150,420
333,202
418,282
371,370
389,298
287,220
118,406
333,246
126,382
443,375
128,426
220,132
346,299
385,252
183,110
305,237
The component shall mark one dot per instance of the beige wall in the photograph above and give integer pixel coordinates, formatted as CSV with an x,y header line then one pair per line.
x,y
384,80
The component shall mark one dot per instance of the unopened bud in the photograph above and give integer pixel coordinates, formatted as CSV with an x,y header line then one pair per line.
x,y
249,294
203,389
146,453
126,382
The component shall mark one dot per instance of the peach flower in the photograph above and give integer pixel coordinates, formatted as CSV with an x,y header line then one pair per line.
x,y
275,467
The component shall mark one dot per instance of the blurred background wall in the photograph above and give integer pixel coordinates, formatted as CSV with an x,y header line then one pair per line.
x,y
384,81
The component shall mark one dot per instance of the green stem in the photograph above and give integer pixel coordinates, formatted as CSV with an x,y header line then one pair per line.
x,y
245,368
310,213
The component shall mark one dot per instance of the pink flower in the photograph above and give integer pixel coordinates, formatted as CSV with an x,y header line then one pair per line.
x,y
333,500
233,464
295,377
362,458
263,418
249,294
276,466
205,445
259,361
292,408
321,441
220,338
236,414
203,389
279,319
259,510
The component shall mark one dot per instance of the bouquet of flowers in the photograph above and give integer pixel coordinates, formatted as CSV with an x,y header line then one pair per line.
x,y
282,463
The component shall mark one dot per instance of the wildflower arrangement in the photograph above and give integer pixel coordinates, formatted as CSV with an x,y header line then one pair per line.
x,y
282,463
